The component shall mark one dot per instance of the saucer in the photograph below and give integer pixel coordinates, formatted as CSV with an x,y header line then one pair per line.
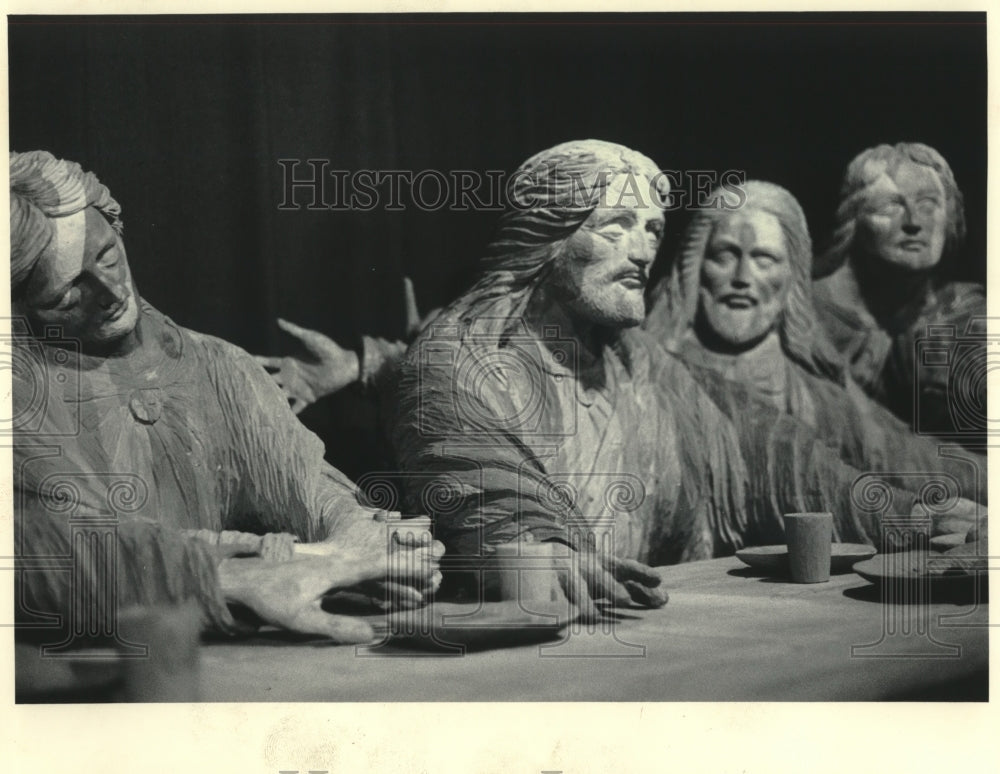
x,y
774,559
939,569
444,626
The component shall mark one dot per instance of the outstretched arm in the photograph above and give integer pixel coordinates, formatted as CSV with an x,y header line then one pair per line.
x,y
324,367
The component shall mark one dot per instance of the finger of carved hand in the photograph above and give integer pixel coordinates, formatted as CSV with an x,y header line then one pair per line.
x,y
644,595
412,311
575,588
416,565
397,596
601,582
630,569
270,364
965,507
406,534
291,379
305,387
314,341
613,591
339,628
980,528
434,584
296,389
395,518
321,573
423,522
427,584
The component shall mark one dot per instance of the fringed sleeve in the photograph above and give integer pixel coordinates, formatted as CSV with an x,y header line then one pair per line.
x,y
790,469
275,476
63,562
714,479
463,462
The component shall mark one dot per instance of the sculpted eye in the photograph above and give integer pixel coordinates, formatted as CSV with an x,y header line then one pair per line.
x,y
109,258
722,255
888,208
69,300
885,207
612,232
928,204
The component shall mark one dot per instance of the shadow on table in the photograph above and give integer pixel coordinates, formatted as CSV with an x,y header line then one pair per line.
x,y
275,638
765,576
959,593
753,572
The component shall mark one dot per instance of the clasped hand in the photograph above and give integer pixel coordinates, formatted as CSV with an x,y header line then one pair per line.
x,y
389,559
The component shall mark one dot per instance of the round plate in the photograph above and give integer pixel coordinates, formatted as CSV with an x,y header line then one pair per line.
x,y
493,625
939,569
775,558
945,542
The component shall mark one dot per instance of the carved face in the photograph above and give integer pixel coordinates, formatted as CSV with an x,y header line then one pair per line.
x,y
603,269
82,282
903,220
745,277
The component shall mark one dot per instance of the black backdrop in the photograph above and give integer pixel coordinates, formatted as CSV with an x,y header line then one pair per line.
x,y
185,118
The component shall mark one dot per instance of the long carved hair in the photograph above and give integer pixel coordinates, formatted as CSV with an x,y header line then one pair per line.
x,y
43,187
864,170
550,196
675,299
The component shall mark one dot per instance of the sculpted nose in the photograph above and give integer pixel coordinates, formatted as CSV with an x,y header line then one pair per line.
x,y
741,277
109,292
642,258
641,252
911,225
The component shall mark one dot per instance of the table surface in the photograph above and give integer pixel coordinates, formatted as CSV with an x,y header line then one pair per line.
x,y
727,634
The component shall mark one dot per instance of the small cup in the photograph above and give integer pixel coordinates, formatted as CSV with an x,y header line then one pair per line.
x,y
809,536
527,572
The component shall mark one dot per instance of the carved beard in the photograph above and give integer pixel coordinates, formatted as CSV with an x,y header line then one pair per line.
x,y
738,329
593,294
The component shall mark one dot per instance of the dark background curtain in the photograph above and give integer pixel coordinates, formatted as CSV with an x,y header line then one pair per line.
x,y
185,119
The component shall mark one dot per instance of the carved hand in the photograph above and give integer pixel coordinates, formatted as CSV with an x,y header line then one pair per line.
x,y
587,576
386,540
325,369
962,517
289,594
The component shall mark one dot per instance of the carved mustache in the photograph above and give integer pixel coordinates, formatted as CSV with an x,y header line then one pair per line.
x,y
745,297
635,273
